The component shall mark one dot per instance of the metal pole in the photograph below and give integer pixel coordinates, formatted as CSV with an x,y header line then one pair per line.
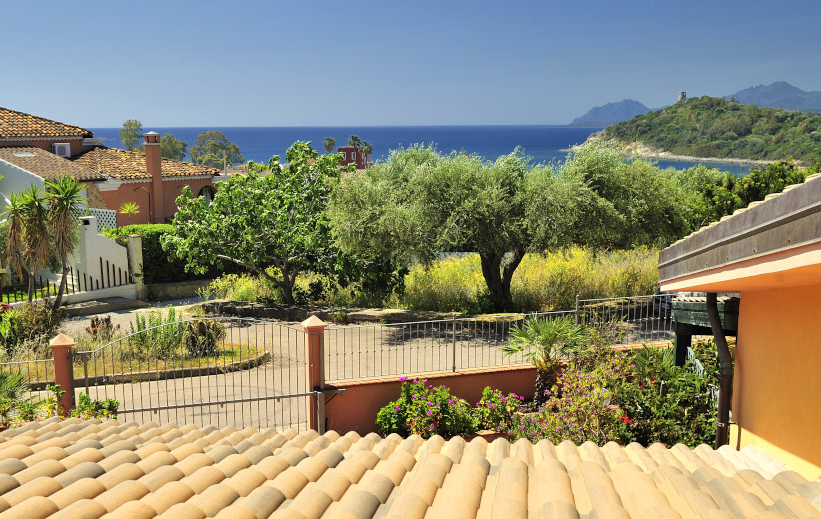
x,y
577,308
454,342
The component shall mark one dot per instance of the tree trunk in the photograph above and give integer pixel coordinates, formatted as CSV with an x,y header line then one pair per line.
x,y
62,290
498,277
545,380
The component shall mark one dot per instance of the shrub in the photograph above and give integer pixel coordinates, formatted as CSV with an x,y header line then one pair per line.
x,y
426,410
495,410
88,409
158,265
579,407
665,403
29,327
200,338
155,337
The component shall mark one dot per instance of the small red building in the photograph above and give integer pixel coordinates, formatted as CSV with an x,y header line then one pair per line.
x,y
351,156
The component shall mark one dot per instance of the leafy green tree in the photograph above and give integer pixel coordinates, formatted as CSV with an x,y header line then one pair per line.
x,y
329,144
130,134
172,148
65,206
419,204
273,224
214,150
647,198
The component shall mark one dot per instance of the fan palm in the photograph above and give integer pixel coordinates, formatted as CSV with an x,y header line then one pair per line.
x,y
329,144
129,208
65,205
545,343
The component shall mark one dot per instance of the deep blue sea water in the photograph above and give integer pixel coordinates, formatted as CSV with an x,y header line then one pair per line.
x,y
542,143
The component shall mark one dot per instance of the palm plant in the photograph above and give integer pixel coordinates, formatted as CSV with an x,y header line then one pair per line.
x,y
129,208
15,227
355,142
13,390
65,205
545,343
329,144
367,149
27,222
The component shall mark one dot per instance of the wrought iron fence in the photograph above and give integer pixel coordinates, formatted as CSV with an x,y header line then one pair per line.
x,y
109,276
220,371
36,373
465,343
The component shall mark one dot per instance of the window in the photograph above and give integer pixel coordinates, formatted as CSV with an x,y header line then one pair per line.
x,y
353,155
207,193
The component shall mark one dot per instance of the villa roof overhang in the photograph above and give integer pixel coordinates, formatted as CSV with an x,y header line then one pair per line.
x,y
775,242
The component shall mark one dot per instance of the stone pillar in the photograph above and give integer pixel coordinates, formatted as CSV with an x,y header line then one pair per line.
x,y
135,264
61,347
315,377
153,166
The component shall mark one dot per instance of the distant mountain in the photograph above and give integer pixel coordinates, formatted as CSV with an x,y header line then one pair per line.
x,y
779,95
612,113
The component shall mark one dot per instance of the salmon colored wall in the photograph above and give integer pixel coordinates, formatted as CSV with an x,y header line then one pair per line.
x,y
356,408
777,382
131,193
75,145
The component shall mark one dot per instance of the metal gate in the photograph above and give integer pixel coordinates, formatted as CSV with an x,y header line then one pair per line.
x,y
218,371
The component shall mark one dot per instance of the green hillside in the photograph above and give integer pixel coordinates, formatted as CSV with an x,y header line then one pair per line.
x,y
715,127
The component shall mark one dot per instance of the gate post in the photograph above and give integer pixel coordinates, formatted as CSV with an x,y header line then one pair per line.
x,y
315,363
61,347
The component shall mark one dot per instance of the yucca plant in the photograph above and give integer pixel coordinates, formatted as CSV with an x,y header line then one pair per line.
x,y
545,343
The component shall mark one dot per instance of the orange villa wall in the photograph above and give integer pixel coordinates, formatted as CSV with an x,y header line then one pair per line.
x,y
132,193
356,409
777,380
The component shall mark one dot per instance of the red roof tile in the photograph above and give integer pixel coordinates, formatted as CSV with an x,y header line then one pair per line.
x,y
130,165
77,468
14,124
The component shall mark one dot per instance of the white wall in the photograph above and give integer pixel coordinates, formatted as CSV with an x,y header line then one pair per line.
x,y
15,180
94,246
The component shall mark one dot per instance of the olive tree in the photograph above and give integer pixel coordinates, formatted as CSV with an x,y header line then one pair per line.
x,y
419,204
272,221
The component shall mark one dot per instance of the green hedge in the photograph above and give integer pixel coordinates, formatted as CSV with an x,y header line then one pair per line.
x,y
158,265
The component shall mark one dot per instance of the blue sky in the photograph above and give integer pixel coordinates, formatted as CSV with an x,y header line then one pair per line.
x,y
321,63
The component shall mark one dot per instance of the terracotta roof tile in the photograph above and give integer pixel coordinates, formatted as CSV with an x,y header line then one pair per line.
x,y
130,165
238,474
14,124
47,165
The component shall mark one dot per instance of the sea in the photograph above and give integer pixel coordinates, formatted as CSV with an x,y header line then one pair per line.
x,y
542,143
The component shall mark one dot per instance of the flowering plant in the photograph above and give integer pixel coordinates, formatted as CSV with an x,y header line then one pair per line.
x,y
496,410
426,410
579,407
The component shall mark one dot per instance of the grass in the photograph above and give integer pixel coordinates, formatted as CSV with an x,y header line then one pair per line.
x,y
455,284
541,283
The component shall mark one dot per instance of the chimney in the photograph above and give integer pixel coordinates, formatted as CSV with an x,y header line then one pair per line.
x,y
153,166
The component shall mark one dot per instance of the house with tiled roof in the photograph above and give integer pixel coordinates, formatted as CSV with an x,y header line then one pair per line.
x,y
34,149
88,469
769,252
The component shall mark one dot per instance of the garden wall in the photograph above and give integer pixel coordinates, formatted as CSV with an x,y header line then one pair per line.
x,y
179,290
356,408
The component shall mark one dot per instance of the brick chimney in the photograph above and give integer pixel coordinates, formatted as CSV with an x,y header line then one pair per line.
x,y
153,166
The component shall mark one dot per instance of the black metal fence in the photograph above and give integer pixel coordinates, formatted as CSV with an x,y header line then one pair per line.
x,y
109,276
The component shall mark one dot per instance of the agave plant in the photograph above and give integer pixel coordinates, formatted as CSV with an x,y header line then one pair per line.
x,y
545,343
